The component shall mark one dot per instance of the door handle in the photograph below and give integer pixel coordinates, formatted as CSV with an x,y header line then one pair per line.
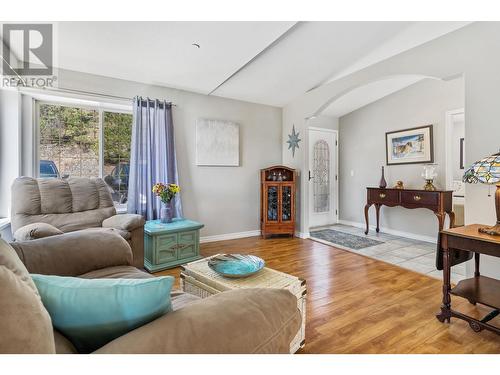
x,y
310,177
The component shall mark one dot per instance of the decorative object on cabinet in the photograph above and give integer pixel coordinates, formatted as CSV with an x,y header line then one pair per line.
x,y
293,141
166,192
429,174
277,200
383,183
438,201
487,171
410,146
199,279
169,245
236,266
399,185
217,143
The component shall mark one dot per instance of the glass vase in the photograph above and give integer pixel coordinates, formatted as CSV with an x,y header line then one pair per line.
x,y
166,213
383,183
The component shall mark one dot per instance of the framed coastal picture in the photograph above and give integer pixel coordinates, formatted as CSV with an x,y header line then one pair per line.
x,y
410,146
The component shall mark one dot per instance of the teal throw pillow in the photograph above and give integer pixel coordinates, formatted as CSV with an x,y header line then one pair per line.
x,y
91,313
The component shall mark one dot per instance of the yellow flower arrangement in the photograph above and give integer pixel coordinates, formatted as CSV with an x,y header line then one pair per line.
x,y
166,192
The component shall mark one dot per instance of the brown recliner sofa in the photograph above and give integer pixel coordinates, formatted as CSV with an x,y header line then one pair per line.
x,y
238,321
70,205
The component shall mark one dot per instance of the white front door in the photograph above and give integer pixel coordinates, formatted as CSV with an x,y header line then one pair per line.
x,y
322,177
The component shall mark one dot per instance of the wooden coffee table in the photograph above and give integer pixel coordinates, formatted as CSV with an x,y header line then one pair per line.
x,y
199,279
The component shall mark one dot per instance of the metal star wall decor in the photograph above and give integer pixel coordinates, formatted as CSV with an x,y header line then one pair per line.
x,y
293,141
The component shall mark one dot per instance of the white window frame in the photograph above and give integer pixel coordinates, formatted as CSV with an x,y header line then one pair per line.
x,y
100,108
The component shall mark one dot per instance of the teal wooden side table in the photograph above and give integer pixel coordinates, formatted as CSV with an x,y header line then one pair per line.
x,y
169,245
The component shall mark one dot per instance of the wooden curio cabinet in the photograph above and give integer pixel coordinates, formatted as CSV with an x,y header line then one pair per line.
x,y
277,201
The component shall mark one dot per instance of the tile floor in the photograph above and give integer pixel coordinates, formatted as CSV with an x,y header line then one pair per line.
x,y
418,256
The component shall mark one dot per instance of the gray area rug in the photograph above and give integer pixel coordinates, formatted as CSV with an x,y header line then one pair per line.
x,y
348,240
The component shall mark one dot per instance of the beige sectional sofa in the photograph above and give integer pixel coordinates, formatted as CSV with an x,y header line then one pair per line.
x,y
70,205
241,321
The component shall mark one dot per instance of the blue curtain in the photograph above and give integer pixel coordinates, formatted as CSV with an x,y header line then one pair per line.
x,y
152,157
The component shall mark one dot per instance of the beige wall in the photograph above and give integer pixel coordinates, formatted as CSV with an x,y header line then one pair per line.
x,y
362,151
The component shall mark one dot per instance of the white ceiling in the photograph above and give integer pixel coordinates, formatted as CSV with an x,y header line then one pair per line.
x,y
415,34
162,53
263,62
305,58
364,95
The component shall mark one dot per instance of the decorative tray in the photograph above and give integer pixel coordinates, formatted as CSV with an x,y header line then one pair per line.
x,y
236,265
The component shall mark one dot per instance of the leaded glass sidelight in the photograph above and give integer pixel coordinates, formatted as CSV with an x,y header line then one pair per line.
x,y
286,203
272,203
321,176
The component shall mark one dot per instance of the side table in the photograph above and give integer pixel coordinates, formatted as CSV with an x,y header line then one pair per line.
x,y
477,289
172,244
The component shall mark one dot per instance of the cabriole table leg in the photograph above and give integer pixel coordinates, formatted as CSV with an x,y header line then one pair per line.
x,y
367,207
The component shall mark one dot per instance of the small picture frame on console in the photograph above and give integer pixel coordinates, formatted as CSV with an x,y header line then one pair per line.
x,y
410,146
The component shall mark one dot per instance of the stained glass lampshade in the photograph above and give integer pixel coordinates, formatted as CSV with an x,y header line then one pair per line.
x,y
487,171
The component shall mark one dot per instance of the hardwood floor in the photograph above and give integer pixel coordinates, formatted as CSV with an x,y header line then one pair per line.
x,y
360,305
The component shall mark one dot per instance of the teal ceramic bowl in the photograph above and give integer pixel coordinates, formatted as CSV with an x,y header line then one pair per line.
x,y
236,265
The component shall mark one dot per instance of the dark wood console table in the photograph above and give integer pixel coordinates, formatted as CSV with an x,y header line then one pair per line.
x,y
438,201
478,289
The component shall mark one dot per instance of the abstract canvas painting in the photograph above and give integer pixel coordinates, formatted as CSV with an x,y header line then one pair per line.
x,y
409,146
217,143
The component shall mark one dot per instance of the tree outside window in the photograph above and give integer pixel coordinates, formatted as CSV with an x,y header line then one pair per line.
x,y
69,145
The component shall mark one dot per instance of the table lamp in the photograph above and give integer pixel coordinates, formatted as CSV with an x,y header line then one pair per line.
x,y
487,171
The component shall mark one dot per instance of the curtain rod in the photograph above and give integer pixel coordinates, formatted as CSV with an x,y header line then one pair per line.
x,y
89,93
151,100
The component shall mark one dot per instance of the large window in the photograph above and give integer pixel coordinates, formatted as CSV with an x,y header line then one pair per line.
x,y
69,141
85,142
117,134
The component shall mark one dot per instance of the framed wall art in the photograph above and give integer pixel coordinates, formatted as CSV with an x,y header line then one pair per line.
x,y
410,146
217,143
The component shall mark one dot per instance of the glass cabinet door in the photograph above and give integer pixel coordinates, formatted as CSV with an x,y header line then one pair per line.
x,y
286,203
272,203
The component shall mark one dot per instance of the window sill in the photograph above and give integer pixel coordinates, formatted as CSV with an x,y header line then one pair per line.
x,y
4,222
121,209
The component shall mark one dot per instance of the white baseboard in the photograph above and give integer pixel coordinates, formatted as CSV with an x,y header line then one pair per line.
x,y
230,236
251,233
303,235
413,236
